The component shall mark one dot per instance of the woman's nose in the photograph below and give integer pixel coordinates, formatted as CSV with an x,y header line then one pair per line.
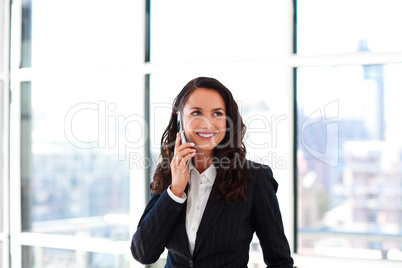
x,y
205,122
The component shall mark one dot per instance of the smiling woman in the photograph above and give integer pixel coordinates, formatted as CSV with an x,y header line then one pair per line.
x,y
206,211
225,150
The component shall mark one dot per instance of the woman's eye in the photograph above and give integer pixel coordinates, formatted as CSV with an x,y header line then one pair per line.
x,y
195,113
217,114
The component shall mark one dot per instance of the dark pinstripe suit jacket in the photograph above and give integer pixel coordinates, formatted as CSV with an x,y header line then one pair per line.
x,y
225,232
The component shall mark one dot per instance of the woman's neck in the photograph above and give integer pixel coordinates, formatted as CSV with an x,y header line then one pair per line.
x,y
202,161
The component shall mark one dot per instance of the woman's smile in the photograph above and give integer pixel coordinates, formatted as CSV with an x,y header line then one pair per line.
x,y
206,136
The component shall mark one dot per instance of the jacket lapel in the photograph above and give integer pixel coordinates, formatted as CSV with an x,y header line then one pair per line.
x,y
211,214
183,237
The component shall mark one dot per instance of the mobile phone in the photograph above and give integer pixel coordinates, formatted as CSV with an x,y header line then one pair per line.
x,y
181,131
180,127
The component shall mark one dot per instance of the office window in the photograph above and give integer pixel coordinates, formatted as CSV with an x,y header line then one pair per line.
x,y
240,43
26,33
1,251
333,27
75,173
1,159
202,31
50,257
349,157
74,155
4,143
82,34
2,34
77,126
80,62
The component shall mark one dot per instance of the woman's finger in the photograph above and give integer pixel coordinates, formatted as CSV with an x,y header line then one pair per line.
x,y
185,145
184,152
177,142
187,157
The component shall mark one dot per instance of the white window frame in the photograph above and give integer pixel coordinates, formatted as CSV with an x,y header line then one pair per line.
x,y
281,62
285,60
357,58
19,75
4,137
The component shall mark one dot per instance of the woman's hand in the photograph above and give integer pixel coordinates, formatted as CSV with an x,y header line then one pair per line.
x,y
179,167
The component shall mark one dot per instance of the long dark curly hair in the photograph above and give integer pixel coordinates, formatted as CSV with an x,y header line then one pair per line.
x,y
229,156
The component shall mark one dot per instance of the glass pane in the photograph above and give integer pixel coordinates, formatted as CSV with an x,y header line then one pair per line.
x,y
76,132
60,258
330,27
1,156
194,31
81,34
26,33
349,161
2,34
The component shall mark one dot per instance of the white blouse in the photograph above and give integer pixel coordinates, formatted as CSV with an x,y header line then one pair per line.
x,y
199,189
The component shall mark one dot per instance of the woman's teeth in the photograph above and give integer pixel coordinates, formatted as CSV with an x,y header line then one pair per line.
x,y
206,135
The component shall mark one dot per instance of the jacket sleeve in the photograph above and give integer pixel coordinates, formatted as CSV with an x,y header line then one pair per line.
x,y
268,220
151,237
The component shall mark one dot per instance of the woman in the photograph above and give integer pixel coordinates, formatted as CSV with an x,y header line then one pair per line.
x,y
207,199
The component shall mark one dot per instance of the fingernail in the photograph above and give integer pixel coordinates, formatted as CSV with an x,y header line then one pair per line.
x,y
192,144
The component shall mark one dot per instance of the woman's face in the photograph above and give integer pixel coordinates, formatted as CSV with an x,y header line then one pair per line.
x,y
204,116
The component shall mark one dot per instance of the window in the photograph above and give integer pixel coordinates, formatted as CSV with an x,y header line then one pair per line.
x,y
91,87
349,157
348,151
70,156
4,133
76,121
336,27
3,182
73,258
205,31
231,41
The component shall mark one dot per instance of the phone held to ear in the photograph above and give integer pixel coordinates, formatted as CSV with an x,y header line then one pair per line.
x,y
181,131
180,127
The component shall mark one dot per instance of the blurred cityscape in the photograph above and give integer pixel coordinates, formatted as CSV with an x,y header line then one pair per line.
x,y
355,206
70,191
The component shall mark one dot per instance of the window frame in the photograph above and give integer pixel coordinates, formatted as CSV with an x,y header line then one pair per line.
x,y
357,58
285,193
287,60
4,136
19,75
